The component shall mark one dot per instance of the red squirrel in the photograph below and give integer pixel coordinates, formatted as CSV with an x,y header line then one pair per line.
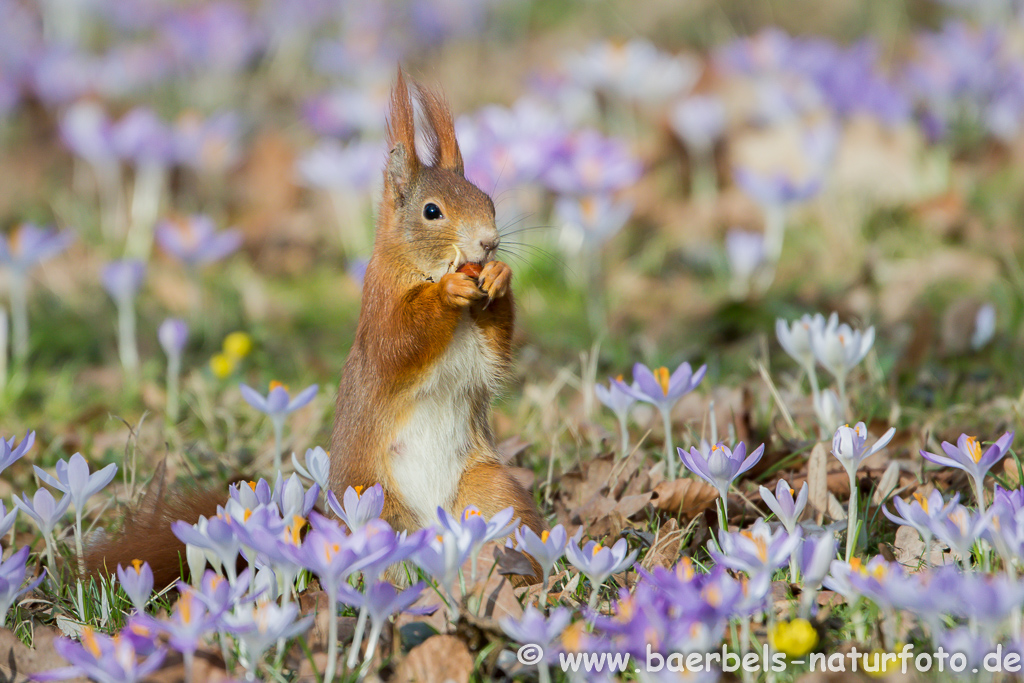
x,y
433,343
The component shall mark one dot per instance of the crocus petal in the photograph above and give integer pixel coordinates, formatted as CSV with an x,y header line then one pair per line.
x,y
304,397
253,398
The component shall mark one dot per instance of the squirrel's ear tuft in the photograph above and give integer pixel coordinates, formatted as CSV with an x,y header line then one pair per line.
x,y
401,136
440,133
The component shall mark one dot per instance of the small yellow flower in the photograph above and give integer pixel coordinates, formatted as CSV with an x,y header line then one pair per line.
x,y
876,665
237,345
222,365
793,638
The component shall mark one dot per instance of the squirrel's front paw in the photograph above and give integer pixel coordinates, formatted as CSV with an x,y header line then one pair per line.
x,y
495,279
459,289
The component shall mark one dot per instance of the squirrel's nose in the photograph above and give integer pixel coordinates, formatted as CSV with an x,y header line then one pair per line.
x,y
489,245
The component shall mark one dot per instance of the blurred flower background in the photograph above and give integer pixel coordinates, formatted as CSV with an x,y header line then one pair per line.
x,y
187,201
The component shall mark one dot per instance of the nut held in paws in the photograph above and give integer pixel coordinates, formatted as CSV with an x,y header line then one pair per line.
x,y
471,269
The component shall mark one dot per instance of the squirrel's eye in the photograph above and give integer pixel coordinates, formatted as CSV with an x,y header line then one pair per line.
x,y
432,211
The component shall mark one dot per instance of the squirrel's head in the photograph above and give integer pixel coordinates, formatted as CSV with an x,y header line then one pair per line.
x,y
431,216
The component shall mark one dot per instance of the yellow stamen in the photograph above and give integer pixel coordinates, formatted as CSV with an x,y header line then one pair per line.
x,y
274,384
713,596
974,448
572,637
329,550
597,549
625,609
662,375
138,565
619,377
90,643
358,489
252,485
684,568
185,607
922,501
296,529
855,564
246,515
759,545
544,536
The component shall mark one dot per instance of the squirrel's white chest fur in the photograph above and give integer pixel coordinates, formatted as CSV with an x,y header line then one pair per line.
x,y
431,446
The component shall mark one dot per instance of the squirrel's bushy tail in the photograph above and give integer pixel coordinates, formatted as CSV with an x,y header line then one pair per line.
x,y
146,532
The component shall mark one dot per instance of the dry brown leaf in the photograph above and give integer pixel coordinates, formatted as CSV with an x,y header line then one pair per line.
x,y
686,497
817,481
666,546
438,659
908,549
18,662
887,484
630,505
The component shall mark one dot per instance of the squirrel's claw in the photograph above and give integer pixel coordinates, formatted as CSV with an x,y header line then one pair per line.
x,y
495,279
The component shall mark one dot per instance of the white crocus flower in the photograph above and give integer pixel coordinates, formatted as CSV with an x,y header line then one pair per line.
x,y
839,348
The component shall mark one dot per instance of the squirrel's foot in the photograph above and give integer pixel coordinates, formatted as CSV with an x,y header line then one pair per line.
x,y
459,290
495,279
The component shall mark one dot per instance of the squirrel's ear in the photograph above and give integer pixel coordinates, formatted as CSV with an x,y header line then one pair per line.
x,y
444,148
401,135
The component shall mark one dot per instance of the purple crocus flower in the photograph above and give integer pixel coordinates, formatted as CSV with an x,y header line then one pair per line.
x,y
745,252
137,583
75,479
839,349
26,248
7,518
619,402
968,456
207,144
29,246
252,494
535,628
9,454
758,551
44,510
589,222
659,387
352,168
591,164
849,445
442,557
359,507
216,541
122,280
783,505
776,189
12,575
816,555
922,514
699,121
663,390
277,405
598,562
317,469
1010,499
960,529
86,130
196,242
380,601
141,138
546,549
261,627
189,622
173,335
292,498
721,465
103,658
